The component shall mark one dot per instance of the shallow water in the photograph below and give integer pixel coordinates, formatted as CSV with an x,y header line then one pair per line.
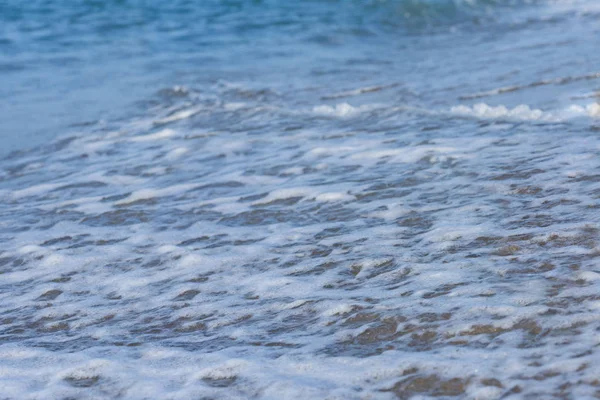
x,y
338,199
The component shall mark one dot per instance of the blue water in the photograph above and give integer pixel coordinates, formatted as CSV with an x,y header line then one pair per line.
x,y
76,62
336,199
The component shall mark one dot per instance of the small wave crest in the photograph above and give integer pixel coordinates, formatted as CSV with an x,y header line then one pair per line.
x,y
524,112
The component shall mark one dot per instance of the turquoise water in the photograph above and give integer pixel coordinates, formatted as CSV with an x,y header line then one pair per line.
x,y
299,200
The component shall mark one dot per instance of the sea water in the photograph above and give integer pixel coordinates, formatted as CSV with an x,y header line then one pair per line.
x,y
299,200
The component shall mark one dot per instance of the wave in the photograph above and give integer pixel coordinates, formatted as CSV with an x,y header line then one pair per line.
x,y
546,82
524,112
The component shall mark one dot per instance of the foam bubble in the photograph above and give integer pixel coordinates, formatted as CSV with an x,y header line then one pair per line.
x,y
521,112
339,110
163,134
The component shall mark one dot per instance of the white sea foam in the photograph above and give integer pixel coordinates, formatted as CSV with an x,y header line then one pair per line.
x,y
333,196
35,190
526,113
164,134
179,115
411,250
521,112
339,110
146,194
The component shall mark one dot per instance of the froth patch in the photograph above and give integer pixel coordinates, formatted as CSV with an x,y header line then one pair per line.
x,y
432,154
146,194
521,112
526,113
176,153
161,135
35,190
304,193
334,196
179,115
590,110
339,110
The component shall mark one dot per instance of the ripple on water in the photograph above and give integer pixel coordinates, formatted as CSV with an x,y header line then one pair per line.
x,y
324,260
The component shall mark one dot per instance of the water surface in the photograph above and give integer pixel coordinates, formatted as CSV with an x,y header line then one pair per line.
x,y
260,199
